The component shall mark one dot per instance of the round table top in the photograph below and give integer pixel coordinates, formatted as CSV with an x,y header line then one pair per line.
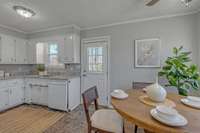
x,y
138,113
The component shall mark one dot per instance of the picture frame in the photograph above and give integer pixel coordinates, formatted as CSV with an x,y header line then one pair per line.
x,y
147,53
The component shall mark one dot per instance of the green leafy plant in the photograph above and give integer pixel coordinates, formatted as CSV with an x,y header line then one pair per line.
x,y
40,67
179,73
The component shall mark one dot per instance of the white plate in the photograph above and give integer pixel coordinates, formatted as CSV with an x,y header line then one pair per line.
x,y
191,103
179,121
119,96
165,110
194,99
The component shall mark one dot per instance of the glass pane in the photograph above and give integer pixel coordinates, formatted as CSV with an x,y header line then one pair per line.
x,y
53,49
100,51
95,59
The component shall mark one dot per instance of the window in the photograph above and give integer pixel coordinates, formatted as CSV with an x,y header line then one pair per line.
x,y
95,59
53,54
48,54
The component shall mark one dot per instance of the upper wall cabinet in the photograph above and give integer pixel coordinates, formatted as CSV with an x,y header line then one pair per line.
x,y
70,51
7,50
31,50
13,50
21,51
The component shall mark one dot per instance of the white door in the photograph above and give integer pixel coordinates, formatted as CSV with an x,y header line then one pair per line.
x,y
95,68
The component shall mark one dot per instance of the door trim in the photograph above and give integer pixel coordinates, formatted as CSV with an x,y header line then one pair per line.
x,y
96,39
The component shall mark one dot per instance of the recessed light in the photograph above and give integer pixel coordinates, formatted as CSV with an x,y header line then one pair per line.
x,y
24,12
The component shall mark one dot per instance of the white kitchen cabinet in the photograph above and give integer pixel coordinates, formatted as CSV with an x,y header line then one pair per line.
x,y
4,98
16,92
11,93
38,92
7,49
39,95
16,96
74,93
35,94
31,50
64,95
21,51
13,50
70,51
57,95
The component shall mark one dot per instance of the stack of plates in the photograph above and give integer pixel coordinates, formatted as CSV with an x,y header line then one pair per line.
x,y
168,116
119,94
192,101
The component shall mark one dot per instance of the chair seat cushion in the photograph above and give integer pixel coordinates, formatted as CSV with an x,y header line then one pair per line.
x,y
107,120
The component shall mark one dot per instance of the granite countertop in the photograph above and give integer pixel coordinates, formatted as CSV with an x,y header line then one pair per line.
x,y
51,77
54,77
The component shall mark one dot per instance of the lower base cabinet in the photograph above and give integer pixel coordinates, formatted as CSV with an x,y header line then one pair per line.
x,y
64,95
11,93
4,98
56,94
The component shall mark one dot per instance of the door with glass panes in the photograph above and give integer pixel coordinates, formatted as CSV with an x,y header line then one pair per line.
x,y
95,68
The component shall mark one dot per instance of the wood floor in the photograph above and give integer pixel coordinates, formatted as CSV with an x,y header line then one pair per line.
x,y
28,119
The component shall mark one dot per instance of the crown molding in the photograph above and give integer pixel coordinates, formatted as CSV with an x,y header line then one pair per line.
x,y
13,29
55,28
140,20
100,26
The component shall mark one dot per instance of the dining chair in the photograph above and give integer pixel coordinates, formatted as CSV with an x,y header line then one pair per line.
x,y
139,85
102,120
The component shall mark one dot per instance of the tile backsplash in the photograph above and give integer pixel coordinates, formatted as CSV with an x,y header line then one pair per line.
x,y
15,69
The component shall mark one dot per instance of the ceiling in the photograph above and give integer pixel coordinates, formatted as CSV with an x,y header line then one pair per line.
x,y
86,13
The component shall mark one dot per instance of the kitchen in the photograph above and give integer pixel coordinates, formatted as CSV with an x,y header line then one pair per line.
x,y
57,87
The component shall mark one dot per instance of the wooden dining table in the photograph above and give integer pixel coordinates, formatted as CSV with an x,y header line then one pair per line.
x,y
138,113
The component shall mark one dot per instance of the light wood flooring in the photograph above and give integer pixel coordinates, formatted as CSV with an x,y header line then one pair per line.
x,y
28,119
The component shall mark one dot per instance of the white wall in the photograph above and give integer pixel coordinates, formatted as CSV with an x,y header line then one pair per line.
x,y
12,33
174,31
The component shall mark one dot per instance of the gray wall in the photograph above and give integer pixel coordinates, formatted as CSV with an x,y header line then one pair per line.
x,y
174,31
198,25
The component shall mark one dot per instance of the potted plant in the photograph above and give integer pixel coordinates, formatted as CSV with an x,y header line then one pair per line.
x,y
180,73
41,69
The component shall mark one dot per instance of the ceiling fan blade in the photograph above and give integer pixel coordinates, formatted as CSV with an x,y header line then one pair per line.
x,y
152,2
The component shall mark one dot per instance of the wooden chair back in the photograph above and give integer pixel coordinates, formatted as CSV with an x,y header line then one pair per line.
x,y
90,96
140,85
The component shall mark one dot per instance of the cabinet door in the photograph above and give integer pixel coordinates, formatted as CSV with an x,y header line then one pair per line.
x,y
68,56
21,51
7,50
4,98
74,93
36,94
44,95
31,50
16,95
57,96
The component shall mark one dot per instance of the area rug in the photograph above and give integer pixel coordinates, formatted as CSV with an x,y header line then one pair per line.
x,y
75,122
